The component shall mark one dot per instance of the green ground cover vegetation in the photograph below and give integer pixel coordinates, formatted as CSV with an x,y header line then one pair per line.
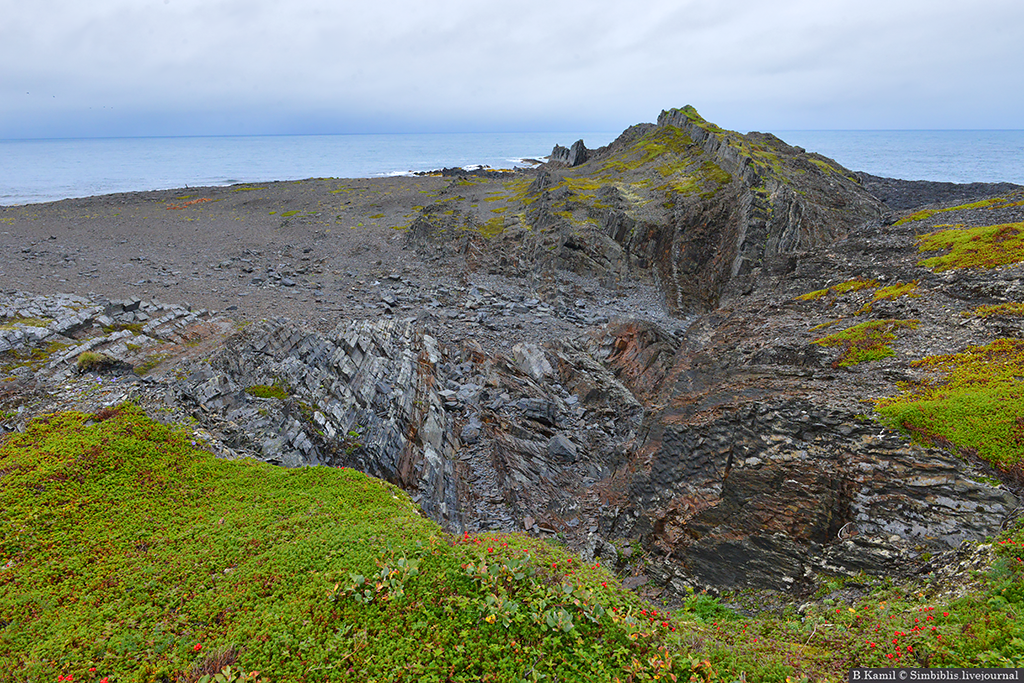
x,y
868,341
276,390
985,311
891,293
128,554
924,214
974,401
987,246
840,289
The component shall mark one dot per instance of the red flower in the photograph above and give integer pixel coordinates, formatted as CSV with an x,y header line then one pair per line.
x,y
945,614
104,680
197,647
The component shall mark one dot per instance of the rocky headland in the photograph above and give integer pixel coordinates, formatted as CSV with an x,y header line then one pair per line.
x,y
667,352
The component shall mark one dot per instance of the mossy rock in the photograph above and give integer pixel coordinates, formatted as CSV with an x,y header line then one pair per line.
x,y
90,361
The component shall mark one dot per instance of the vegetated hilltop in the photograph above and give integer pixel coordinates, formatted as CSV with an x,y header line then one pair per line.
x,y
683,202
823,399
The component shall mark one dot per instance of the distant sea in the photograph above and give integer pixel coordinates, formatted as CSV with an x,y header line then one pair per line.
x,y
49,170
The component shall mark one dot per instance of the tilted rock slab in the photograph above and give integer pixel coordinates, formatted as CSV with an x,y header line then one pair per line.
x,y
364,396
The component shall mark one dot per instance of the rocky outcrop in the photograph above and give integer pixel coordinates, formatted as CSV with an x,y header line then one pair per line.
x,y
900,195
733,206
728,444
572,156
365,396
701,210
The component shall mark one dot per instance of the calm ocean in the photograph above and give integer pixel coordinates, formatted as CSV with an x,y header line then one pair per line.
x,y
49,170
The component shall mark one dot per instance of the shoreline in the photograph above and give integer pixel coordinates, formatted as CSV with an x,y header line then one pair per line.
x,y
897,193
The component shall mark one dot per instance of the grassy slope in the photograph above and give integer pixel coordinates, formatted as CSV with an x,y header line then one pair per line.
x,y
124,549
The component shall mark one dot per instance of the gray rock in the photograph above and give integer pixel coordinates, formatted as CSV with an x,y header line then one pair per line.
x,y
560,447
531,360
468,393
470,433
541,410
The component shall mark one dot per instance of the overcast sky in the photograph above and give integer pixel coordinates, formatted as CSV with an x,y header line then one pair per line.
x,y
218,67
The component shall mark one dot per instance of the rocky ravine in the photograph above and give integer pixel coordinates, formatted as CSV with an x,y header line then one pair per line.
x,y
709,435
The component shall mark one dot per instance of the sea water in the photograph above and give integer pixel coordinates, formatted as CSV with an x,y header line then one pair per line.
x,y
954,156
49,170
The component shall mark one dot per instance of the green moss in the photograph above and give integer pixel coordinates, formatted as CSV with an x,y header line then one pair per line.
x,y
35,358
134,328
714,173
982,247
854,285
974,402
492,227
891,293
267,391
865,342
91,361
10,323
247,188
815,295
825,166
921,215
668,144
924,214
683,185
151,362
1010,308
289,214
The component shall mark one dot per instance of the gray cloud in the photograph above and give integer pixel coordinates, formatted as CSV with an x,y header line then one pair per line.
x,y
137,67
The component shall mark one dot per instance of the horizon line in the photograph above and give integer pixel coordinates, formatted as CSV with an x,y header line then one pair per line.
x,y
493,132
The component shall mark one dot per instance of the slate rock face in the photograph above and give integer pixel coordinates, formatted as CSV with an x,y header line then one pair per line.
x,y
737,483
364,396
573,156
701,210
